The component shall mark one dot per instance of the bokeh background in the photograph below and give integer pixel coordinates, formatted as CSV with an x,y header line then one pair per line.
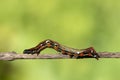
x,y
74,23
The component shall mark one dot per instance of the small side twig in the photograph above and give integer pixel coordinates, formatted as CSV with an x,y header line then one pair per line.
x,y
15,56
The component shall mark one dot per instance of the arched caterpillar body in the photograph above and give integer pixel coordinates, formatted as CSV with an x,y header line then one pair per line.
x,y
78,53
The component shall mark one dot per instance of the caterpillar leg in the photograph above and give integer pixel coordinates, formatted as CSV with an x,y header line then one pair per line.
x,y
92,53
71,56
89,53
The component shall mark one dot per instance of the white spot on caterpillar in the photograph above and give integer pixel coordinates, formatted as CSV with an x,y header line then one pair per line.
x,y
78,52
47,41
95,56
92,51
56,44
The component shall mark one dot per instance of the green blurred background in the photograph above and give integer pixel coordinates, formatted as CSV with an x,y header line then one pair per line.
x,y
74,23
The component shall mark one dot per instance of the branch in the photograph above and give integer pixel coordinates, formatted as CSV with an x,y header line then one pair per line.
x,y
14,56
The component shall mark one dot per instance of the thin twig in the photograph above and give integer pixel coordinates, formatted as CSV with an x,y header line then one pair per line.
x,y
14,56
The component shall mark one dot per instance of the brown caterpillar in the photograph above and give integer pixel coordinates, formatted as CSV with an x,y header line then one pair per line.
x,y
78,53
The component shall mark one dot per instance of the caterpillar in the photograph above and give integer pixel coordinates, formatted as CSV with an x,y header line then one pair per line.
x,y
77,53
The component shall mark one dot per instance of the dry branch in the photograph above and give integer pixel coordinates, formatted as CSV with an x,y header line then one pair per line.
x,y
15,56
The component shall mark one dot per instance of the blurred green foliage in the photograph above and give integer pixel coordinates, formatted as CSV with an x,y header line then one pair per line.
x,y
74,23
